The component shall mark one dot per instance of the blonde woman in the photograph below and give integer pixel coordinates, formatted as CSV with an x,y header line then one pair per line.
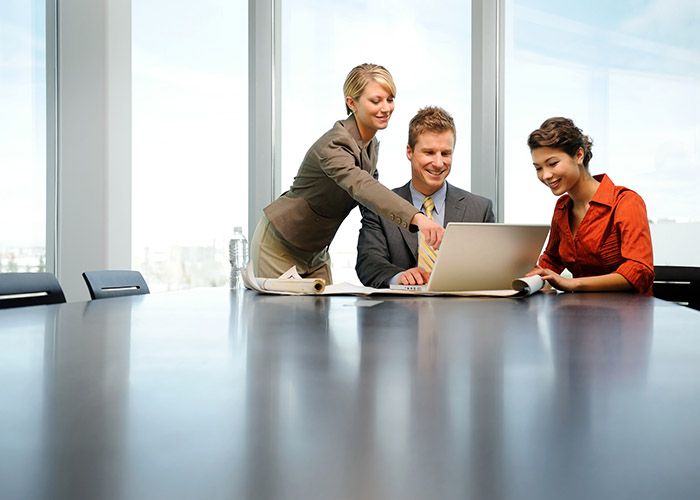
x,y
338,172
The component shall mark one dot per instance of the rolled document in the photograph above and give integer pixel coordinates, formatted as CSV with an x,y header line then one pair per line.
x,y
289,282
299,285
528,285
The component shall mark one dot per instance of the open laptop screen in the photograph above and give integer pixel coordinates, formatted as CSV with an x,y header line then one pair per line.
x,y
479,256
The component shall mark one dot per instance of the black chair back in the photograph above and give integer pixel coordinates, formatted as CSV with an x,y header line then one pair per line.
x,y
105,284
29,289
678,284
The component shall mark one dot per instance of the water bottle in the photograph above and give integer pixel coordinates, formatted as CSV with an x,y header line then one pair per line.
x,y
238,256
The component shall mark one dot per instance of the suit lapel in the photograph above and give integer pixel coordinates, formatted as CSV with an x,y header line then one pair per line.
x,y
455,207
411,239
366,153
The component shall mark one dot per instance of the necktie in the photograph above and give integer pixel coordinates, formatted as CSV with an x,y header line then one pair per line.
x,y
426,255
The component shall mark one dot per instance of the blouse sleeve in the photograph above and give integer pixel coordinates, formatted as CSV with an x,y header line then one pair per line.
x,y
635,241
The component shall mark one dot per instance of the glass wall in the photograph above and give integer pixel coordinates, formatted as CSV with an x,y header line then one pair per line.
x,y
426,50
628,74
190,138
22,135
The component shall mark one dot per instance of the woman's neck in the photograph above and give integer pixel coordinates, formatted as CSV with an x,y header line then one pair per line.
x,y
584,190
366,134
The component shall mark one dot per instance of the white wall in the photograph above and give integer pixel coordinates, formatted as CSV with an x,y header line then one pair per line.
x,y
94,142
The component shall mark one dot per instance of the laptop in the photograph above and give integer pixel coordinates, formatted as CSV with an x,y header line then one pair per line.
x,y
483,256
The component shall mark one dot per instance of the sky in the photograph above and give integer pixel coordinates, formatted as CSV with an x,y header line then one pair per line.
x,y
22,123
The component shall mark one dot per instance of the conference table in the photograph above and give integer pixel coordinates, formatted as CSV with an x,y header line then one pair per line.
x,y
213,393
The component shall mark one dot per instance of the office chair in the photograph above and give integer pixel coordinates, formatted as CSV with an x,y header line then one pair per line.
x,y
105,284
678,284
29,289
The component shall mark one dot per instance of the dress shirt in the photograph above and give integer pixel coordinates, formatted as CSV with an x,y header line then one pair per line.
x,y
438,212
613,237
438,199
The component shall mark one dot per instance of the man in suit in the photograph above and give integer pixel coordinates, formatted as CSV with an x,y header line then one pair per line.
x,y
388,254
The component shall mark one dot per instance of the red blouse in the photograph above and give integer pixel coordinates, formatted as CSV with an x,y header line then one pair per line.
x,y
613,237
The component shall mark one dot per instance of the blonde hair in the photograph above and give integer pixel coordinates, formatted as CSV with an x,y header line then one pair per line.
x,y
361,75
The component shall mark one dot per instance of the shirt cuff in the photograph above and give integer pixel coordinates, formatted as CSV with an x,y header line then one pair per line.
x,y
639,275
395,279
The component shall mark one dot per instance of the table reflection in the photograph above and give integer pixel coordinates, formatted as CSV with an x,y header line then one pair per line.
x,y
599,354
432,380
86,384
26,343
239,395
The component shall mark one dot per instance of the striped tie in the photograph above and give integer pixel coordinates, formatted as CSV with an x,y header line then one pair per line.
x,y
426,255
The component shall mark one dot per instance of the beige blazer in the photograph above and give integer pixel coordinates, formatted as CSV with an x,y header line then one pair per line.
x,y
337,173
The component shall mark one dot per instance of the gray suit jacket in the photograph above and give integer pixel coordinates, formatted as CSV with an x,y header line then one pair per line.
x,y
384,249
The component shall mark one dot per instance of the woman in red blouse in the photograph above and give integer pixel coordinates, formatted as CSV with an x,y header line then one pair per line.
x,y
599,231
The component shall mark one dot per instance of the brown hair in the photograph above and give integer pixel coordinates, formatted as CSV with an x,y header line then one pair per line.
x,y
361,75
561,133
430,119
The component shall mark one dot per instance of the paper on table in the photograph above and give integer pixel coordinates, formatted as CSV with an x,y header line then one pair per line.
x,y
290,282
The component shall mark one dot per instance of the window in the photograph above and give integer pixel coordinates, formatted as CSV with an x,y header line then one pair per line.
x,y
426,50
23,136
628,74
190,138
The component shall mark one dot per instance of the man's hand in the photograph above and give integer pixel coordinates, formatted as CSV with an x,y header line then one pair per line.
x,y
414,276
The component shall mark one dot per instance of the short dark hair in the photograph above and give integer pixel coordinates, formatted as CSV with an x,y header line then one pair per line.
x,y
561,133
432,119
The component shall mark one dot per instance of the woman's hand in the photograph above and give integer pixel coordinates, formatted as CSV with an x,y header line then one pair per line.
x,y
554,279
535,271
431,230
612,282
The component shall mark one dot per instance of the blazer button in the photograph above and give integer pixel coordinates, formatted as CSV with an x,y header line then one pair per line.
x,y
393,217
398,220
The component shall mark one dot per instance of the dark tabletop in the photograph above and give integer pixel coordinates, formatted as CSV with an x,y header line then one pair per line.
x,y
209,394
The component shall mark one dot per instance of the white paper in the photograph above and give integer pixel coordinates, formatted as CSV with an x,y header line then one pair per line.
x,y
291,283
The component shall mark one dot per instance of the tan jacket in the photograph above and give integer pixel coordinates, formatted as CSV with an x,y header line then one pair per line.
x,y
337,173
